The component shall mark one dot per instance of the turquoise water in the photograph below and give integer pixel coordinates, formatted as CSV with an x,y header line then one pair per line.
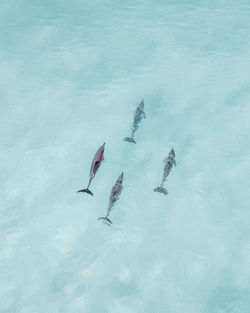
x,y
72,74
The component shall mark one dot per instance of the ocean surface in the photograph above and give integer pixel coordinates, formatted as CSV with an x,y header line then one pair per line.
x,y
72,75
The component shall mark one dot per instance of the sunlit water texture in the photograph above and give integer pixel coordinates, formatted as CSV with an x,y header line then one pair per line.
x,y
72,74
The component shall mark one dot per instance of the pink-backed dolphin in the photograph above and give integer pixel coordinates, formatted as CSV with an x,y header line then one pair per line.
x,y
97,160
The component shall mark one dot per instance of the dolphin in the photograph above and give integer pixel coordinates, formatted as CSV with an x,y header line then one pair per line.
x,y
114,196
139,114
97,160
169,162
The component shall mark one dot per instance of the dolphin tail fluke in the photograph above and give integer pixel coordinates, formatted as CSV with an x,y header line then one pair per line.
x,y
161,189
129,139
105,220
86,190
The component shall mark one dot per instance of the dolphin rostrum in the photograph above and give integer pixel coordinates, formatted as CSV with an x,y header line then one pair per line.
x,y
139,114
97,160
169,162
114,196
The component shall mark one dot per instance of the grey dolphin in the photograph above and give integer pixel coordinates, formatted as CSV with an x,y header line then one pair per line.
x,y
169,162
139,114
114,196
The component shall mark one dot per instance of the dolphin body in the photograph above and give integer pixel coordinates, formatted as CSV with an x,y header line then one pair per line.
x,y
139,114
97,160
169,162
114,196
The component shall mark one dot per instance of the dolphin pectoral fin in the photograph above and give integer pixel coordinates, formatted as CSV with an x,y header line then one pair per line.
x,y
106,220
162,190
86,190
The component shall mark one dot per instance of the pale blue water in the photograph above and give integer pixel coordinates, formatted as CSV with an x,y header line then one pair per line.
x,y
72,74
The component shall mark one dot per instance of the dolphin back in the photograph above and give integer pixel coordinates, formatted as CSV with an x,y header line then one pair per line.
x,y
96,161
